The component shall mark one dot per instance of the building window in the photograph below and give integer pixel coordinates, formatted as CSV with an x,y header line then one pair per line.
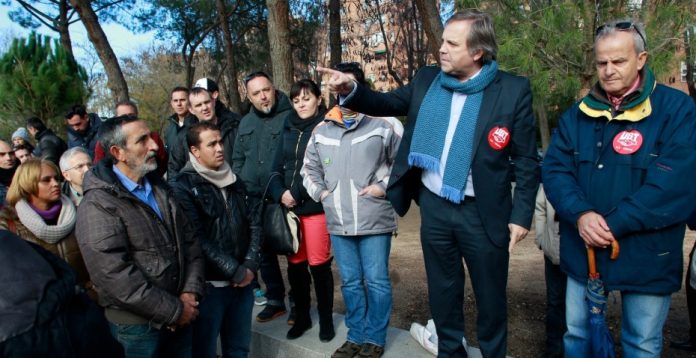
x,y
683,71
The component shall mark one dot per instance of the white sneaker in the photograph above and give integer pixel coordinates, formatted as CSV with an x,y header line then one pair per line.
x,y
259,297
422,336
427,336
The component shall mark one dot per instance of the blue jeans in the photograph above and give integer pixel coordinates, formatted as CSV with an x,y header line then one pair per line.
x,y
225,311
642,320
363,263
143,341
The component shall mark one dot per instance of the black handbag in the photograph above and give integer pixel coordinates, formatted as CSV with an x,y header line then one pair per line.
x,y
281,227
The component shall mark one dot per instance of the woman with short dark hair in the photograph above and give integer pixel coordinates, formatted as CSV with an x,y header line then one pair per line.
x,y
286,188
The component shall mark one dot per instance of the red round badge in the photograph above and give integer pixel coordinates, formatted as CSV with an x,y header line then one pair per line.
x,y
628,142
498,138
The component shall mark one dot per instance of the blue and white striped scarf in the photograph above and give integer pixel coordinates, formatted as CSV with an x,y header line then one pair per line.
x,y
431,129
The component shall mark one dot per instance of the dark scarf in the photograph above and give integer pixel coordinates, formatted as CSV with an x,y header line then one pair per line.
x,y
6,175
304,124
597,98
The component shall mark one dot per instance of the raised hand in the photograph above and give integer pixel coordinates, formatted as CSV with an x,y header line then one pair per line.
x,y
338,81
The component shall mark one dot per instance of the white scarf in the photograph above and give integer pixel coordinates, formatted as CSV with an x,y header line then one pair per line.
x,y
36,224
220,178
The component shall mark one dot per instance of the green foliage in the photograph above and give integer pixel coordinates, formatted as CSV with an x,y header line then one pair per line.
x,y
550,42
39,78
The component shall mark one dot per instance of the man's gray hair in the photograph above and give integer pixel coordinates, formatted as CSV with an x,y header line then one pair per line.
x,y
111,133
636,29
64,162
481,34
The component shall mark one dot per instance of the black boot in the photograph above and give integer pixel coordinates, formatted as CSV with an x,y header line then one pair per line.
x,y
299,278
324,288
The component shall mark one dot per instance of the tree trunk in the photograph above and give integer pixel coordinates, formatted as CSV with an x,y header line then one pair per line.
x,y
335,43
689,50
62,25
335,32
279,40
116,82
430,15
543,120
233,89
387,53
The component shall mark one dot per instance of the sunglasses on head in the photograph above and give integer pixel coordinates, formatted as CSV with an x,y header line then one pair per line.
x,y
622,26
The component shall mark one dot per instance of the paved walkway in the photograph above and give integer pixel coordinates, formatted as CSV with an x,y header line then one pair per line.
x,y
268,341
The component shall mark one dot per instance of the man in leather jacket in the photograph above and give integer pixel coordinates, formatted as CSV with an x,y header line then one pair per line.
x,y
229,230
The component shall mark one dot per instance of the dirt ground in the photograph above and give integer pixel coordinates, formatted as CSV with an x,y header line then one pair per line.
x,y
526,294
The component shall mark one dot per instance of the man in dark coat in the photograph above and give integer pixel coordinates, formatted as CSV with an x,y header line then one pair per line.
x,y
83,128
48,145
204,107
180,120
8,166
479,118
138,246
229,229
620,170
259,136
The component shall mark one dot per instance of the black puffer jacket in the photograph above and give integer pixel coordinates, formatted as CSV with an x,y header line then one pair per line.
x,y
42,313
49,146
228,122
228,230
288,162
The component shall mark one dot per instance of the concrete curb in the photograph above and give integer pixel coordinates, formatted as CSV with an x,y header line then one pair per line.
x,y
268,341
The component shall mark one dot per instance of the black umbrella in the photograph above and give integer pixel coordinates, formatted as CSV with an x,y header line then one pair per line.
x,y
601,340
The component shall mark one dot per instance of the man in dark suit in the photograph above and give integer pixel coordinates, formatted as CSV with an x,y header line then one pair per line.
x,y
467,123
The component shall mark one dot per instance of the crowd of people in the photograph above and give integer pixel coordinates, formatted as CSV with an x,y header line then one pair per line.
x,y
163,235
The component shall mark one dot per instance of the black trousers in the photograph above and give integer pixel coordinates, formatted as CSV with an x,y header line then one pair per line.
x,y
555,308
273,278
450,232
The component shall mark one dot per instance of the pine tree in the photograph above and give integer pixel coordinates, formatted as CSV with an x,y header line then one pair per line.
x,y
38,77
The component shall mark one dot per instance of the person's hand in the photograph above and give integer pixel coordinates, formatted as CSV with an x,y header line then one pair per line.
x,y
373,190
189,311
517,233
248,277
288,200
338,81
594,230
324,194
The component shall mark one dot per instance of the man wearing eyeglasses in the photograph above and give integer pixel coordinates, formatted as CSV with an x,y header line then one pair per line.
x,y
259,135
74,163
620,168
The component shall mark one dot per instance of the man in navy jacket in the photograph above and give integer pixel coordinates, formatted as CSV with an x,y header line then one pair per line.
x,y
466,120
620,169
